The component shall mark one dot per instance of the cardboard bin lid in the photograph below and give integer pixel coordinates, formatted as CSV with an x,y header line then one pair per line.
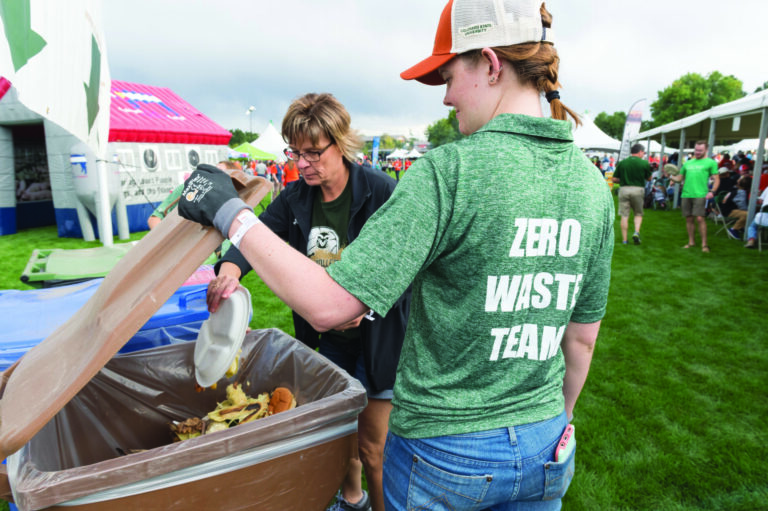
x,y
50,374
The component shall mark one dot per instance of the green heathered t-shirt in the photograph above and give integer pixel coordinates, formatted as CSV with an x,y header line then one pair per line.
x,y
633,171
696,174
507,235
165,207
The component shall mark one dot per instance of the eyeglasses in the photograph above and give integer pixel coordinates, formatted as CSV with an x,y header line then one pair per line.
x,y
310,156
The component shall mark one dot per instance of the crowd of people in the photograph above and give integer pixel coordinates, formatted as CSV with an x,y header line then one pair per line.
x,y
717,187
279,173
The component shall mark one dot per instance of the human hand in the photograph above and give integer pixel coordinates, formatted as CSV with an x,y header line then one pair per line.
x,y
350,324
220,289
222,286
210,198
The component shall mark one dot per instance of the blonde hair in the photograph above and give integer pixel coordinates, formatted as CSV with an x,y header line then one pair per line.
x,y
536,64
314,115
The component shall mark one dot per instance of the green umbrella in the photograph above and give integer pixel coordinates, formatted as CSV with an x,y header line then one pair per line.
x,y
254,153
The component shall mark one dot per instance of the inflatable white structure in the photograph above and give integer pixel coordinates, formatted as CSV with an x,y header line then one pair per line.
x,y
54,94
88,185
77,147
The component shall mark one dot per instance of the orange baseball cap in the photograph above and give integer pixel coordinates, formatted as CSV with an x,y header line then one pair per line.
x,y
474,24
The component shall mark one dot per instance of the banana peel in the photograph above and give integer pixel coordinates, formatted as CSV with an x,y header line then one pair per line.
x,y
233,367
238,408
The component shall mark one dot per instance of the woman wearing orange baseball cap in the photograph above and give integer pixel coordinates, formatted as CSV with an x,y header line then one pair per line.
x,y
507,236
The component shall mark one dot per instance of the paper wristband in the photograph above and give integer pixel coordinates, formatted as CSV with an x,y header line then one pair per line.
x,y
247,220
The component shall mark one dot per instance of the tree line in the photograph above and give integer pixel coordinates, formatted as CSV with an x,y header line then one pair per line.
x,y
689,94
386,142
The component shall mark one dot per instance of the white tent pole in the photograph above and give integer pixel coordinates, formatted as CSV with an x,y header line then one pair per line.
x,y
663,149
680,161
711,139
102,205
759,157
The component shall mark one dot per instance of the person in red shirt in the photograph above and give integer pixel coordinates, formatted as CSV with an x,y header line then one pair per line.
x,y
398,165
408,164
272,175
763,183
290,173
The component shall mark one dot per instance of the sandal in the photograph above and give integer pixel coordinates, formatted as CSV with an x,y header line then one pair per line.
x,y
705,248
689,245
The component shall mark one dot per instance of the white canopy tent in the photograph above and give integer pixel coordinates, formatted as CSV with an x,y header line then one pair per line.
x,y
414,154
272,142
397,154
748,144
736,120
653,147
589,137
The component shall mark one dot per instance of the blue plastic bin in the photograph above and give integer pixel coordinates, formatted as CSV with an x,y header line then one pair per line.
x,y
31,316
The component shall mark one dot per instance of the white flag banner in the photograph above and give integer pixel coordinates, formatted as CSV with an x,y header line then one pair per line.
x,y
631,127
54,55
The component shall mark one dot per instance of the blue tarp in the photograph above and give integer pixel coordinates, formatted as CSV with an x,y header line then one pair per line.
x,y
31,316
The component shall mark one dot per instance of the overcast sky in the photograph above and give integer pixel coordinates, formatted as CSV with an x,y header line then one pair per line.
x,y
228,55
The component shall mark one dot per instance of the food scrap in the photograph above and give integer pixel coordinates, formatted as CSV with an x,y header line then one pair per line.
x,y
233,366
238,408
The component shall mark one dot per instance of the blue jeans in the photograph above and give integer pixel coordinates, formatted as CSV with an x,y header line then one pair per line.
x,y
501,469
752,231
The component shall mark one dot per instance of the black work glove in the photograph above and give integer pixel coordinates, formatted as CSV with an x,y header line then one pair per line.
x,y
209,198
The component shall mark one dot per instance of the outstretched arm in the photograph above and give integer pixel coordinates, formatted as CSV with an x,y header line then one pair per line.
x,y
297,280
209,198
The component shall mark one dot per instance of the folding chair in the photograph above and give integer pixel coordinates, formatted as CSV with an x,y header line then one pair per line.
x,y
720,219
762,226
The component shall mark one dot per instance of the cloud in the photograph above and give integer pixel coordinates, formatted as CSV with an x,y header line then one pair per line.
x,y
226,56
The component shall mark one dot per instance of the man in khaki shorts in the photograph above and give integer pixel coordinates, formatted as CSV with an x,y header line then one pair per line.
x,y
632,173
695,175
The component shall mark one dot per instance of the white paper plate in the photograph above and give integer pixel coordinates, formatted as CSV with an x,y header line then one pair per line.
x,y
221,336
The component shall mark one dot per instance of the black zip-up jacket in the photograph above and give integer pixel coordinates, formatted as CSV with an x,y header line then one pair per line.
x,y
290,217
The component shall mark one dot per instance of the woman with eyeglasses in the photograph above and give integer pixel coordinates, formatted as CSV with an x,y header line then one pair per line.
x,y
319,216
507,236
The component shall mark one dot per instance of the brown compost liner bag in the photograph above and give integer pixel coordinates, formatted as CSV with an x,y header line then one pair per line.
x,y
130,402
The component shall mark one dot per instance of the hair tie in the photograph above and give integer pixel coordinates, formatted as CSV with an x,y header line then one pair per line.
x,y
553,94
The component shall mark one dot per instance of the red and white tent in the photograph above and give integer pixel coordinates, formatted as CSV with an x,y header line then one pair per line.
x,y
145,113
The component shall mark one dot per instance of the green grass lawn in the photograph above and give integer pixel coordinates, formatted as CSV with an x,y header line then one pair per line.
x,y
673,414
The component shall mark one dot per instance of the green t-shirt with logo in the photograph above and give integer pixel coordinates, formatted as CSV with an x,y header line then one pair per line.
x,y
696,174
507,235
